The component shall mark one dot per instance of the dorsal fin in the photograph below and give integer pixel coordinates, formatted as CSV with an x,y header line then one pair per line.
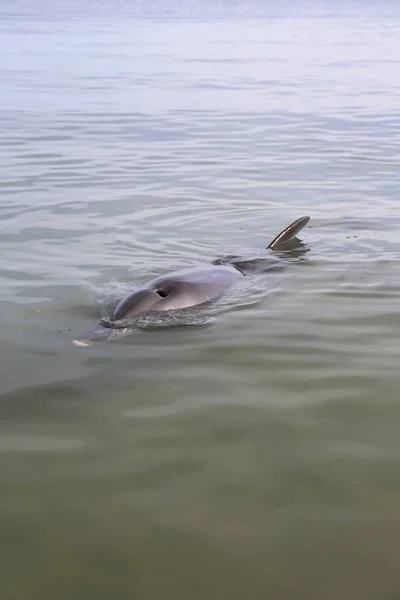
x,y
288,233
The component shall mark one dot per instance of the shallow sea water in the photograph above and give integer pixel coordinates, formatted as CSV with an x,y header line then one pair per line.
x,y
257,454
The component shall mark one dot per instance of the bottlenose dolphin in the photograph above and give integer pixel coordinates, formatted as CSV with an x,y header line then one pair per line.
x,y
184,289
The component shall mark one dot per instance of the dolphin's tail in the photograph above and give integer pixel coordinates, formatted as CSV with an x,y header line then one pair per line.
x,y
288,234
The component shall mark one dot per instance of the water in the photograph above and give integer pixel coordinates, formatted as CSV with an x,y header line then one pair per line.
x,y
255,455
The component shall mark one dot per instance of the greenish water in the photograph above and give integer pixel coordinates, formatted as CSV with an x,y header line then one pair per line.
x,y
255,456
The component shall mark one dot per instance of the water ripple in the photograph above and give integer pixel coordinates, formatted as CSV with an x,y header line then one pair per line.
x,y
145,137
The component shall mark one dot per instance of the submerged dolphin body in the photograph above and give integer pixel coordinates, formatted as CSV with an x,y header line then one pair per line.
x,y
184,289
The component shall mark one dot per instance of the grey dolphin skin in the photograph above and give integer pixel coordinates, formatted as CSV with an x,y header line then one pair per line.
x,y
182,289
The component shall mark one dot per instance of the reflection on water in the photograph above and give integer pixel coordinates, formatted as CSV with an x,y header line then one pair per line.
x,y
254,450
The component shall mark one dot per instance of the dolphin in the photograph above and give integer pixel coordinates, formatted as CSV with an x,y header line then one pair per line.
x,y
186,288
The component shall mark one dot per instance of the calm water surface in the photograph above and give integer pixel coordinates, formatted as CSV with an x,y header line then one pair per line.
x,y
256,455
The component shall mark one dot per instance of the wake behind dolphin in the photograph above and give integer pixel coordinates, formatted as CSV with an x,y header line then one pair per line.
x,y
184,289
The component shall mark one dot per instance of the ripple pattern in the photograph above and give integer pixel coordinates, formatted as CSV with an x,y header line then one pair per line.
x,y
211,460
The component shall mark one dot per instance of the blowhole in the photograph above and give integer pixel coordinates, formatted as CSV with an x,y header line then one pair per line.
x,y
161,293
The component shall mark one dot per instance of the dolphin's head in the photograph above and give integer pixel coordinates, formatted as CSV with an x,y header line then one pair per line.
x,y
139,302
